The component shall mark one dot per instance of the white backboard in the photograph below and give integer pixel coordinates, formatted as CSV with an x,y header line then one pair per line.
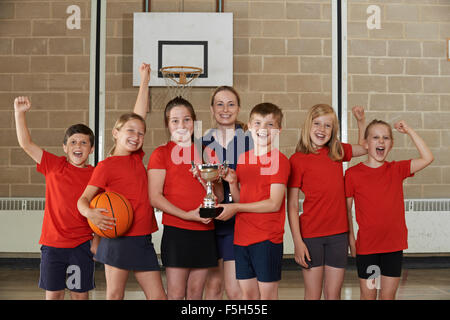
x,y
202,40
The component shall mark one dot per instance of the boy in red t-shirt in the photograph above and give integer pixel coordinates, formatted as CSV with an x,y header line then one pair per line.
x,y
259,206
377,187
66,235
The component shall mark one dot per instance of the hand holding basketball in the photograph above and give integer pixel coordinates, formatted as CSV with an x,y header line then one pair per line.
x,y
100,220
110,214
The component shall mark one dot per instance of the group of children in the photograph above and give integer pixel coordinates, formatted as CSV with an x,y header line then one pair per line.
x,y
240,251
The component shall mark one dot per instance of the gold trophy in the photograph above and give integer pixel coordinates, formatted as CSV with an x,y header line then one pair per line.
x,y
210,173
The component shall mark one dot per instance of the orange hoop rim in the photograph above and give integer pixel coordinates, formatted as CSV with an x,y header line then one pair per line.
x,y
170,69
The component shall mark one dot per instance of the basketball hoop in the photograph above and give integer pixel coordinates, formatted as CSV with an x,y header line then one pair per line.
x,y
179,79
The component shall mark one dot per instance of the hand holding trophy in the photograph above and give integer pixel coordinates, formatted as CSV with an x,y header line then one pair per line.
x,y
208,174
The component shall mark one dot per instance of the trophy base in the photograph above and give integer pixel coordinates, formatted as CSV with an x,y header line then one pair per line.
x,y
210,212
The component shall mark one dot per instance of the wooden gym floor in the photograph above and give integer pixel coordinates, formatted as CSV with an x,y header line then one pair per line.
x,y
419,282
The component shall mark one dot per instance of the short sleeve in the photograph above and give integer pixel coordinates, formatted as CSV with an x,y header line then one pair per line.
x,y
99,177
348,152
404,168
296,172
348,183
49,162
157,159
282,174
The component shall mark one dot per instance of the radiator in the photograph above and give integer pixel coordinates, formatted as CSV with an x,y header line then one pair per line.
x,y
428,222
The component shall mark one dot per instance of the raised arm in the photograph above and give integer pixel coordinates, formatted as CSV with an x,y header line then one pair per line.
x,y
21,106
142,102
358,149
426,157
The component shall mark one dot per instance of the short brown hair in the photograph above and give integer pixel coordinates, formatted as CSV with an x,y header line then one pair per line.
x,y
267,108
79,128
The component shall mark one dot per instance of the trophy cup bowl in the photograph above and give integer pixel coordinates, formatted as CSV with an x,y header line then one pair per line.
x,y
209,173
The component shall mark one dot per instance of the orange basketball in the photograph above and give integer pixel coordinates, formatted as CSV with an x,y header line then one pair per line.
x,y
119,208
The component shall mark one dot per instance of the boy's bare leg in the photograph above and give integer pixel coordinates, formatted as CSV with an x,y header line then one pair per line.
x,y
269,290
54,295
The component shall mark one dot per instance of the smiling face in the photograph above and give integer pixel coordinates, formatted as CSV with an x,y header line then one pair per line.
x,y
180,125
378,143
321,130
225,108
78,148
264,130
130,137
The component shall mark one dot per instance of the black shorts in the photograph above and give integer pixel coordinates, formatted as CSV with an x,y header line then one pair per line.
x,y
182,248
387,264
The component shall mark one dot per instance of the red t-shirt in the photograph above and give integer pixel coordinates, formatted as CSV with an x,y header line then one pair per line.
x,y
127,175
180,187
322,181
255,175
63,225
379,206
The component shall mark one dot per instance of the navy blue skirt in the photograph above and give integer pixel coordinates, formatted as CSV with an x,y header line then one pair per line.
x,y
129,253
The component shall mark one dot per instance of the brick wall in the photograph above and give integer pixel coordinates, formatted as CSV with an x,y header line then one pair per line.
x,y
282,54
401,72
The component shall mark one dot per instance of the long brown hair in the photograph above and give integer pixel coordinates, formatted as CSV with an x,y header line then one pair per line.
x,y
336,151
124,118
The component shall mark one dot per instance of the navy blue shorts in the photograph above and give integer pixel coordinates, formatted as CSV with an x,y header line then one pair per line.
x,y
261,260
225,246
71,268
128,253
388,264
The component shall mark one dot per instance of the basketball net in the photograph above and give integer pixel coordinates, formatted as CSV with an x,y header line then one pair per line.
x,y
179,80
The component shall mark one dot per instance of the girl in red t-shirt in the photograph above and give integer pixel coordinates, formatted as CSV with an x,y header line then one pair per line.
x,y
188,246
320,237
377,187
125,173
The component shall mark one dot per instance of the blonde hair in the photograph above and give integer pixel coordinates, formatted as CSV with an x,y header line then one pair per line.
x,y
304,145
121,122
